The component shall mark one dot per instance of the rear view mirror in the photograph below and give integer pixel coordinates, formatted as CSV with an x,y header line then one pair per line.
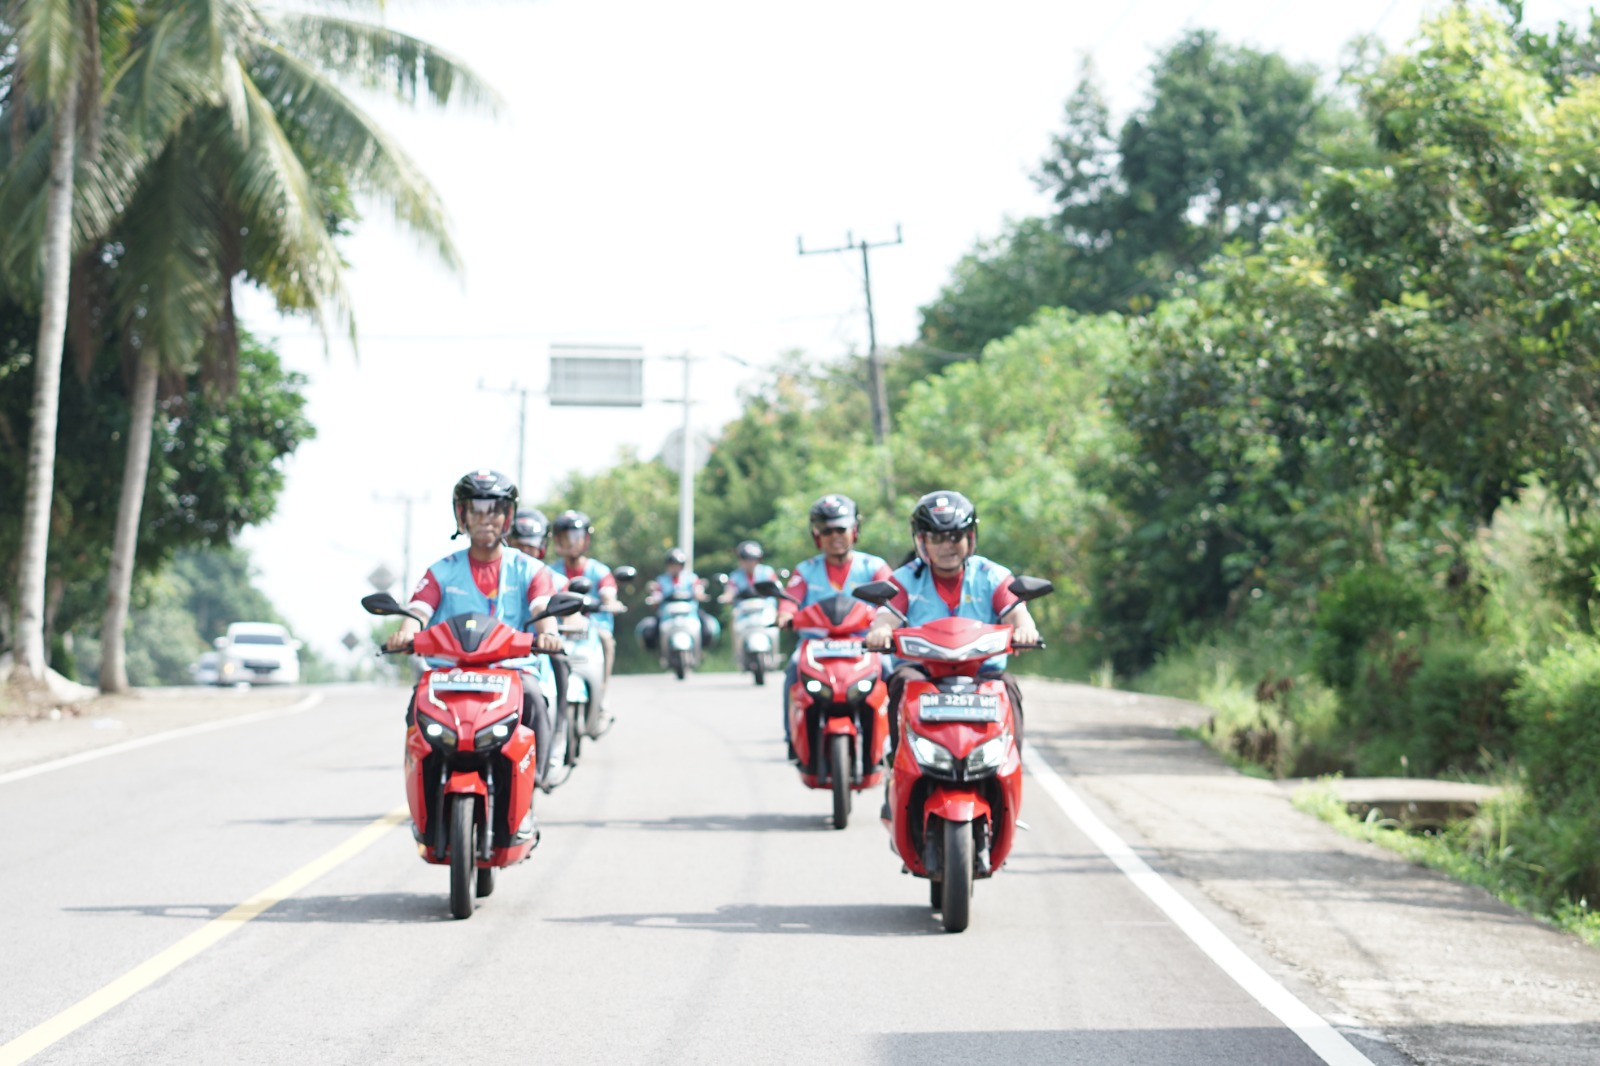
x,y
560,605
624,574
877,592
1030,588
381,603
580,585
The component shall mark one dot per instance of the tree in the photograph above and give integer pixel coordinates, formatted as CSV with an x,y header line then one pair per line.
x,y
235,192
1222,148
216,465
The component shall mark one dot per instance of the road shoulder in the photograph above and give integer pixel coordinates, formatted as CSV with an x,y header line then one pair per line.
x,y
1444,971
105,720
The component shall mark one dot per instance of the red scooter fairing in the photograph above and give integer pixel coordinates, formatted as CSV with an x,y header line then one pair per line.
x,y
957,761
467,739
838,691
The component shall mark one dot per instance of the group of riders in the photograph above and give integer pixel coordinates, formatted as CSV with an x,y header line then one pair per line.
x,y
504,573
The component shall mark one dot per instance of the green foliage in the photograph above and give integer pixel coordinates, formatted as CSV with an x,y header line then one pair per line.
x,y
1557,708
216,464
1222,147
1370,603
1426,703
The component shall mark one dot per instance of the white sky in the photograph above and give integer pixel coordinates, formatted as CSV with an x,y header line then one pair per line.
x,y
645,183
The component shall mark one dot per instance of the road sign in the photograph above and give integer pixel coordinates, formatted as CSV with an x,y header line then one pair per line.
x,y
382,579
594,375
350,640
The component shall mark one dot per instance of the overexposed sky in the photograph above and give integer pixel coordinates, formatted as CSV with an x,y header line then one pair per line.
x,y
645,183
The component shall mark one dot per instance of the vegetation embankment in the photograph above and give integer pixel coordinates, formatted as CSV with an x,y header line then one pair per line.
x,y
1292,396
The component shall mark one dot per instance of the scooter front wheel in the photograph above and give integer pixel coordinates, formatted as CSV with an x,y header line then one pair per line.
x,y
678,666
463,856
758,670
955,902
839,769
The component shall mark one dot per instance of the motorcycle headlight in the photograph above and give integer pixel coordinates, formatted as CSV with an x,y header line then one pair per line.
x,y
682,641
813,686
438,734
759,642
495,735
933,755
988,756
917,648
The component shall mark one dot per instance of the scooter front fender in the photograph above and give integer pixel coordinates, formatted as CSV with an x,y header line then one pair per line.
x,y
467,781
954,805
840,724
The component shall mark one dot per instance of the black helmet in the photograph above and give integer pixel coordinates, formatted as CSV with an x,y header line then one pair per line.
x,y
749,549
531,527
483,485
679,556
571,520
834,511
943,511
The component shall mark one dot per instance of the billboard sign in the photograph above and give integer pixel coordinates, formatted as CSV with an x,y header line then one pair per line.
x,y
596,375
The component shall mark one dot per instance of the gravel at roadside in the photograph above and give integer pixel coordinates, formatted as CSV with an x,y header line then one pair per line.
x,y
1443,971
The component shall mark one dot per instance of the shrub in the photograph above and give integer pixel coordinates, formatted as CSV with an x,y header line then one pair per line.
x,y
1424,703
1557,709
1366,603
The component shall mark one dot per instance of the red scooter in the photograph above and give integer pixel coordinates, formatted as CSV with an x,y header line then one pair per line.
x,y
470,759
838,717
955,788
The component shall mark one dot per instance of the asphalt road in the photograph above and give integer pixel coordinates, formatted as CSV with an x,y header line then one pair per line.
x,y
689,903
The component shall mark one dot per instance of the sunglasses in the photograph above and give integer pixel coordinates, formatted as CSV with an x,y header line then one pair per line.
x,y
485,506
829,531
953,536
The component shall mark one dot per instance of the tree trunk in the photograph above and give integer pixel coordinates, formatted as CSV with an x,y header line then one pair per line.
x,y
119,581
31,660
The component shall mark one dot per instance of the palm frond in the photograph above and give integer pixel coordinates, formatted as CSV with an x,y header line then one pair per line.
x,y
49,42
168,284
329,126
278,202
379,58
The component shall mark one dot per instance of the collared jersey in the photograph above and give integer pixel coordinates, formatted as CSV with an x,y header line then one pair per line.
x,y
455,585
744,584
983,595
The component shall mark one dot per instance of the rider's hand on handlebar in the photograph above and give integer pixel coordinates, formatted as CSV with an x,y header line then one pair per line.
x,y
785,621
879,638
547,641
1026,633
400,639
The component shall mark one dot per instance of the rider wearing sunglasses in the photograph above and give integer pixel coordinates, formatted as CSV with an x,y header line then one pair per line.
x,y
949,579
835,527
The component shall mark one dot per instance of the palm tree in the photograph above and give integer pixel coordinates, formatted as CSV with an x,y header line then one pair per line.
x,y
246,187
62,183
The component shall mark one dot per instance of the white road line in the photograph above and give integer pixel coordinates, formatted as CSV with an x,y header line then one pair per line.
x,y
159,738
1321,1037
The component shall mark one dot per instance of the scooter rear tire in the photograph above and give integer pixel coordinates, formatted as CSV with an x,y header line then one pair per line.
x,y
955,903
463,856
839,770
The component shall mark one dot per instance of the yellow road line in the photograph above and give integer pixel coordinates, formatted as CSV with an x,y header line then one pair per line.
x,y
153,969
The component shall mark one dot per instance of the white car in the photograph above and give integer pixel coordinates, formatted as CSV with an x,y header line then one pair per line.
x,y
257,653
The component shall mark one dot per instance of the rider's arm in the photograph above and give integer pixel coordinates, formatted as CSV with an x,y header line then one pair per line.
x,y
797,589
541,587
1024,630
880,635
424,601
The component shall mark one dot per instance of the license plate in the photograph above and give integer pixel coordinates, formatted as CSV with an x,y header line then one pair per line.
x,y
837,649
960,707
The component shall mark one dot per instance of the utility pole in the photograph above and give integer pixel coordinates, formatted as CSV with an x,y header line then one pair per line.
x,y
880,400
686,467
407,500
522,392
878,392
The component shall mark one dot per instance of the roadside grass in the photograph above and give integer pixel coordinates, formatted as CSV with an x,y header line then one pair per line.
x,y
1482,850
